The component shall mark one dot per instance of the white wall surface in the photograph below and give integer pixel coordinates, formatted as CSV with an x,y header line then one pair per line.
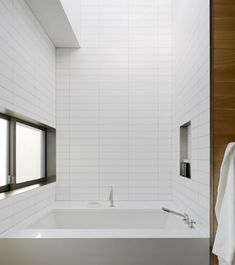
x,y
21,206
114,103
191,97
27,86
72,9
27,64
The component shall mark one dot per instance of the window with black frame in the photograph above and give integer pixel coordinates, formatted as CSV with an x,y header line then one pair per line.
x,y
22,153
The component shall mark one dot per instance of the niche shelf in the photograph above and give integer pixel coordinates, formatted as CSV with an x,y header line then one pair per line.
x,y
185,150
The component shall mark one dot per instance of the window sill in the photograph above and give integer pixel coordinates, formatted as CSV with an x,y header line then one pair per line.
x,y
8,194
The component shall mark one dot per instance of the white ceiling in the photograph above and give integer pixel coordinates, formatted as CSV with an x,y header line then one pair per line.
x,y
52,17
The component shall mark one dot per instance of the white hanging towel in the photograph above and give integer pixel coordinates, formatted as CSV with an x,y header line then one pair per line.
x,y
224,245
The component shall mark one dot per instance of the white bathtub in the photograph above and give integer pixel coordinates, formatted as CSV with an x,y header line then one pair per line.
x,y
94,234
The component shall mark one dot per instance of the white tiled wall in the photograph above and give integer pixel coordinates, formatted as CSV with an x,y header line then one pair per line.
x,y
19,207
27,64
27,86
114,103
191,103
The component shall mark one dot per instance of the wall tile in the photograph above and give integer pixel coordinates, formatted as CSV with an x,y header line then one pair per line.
x,y
191,78
27,86
118,99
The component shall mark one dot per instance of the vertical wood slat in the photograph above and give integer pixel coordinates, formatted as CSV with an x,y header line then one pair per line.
x,y
224,84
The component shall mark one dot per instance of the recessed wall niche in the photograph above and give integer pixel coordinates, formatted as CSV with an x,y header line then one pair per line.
x,y
185,150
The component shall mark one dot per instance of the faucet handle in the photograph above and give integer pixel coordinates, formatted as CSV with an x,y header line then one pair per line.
x,y
191,223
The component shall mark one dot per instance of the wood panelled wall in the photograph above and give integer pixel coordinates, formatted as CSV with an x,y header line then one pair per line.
x,y
224,83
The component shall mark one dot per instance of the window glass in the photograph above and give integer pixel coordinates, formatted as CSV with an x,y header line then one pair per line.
x,y
4,151
30,153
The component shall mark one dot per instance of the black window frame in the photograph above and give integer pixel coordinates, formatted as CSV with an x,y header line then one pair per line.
x,y
7,186
13,185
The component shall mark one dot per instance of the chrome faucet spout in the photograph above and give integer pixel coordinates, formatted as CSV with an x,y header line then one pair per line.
x,y
111,197
185,216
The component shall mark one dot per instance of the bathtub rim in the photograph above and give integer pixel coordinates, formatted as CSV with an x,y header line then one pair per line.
x,y
22,231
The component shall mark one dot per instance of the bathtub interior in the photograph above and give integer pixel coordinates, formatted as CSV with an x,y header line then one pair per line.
x,y
102,219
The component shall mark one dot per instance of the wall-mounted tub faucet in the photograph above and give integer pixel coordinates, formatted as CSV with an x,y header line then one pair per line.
x,y
186,219
111,197
185,216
